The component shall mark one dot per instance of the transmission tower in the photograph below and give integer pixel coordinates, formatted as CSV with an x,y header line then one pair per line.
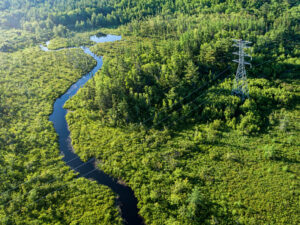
x,y
240,87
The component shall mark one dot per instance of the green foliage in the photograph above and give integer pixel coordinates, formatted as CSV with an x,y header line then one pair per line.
x,y
140,117
35,185
271,153
156,116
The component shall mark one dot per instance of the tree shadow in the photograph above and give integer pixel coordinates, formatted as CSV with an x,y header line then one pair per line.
x,y
287,160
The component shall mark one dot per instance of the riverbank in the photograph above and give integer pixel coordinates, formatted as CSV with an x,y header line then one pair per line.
x,y
127,201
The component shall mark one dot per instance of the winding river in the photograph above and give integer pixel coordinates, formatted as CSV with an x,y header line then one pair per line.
x,y
126,199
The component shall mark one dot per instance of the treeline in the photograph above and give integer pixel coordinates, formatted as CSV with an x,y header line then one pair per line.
x,y
48,18
91,13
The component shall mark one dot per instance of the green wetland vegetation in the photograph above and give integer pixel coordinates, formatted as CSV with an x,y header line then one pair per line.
x,y
159,115
36,187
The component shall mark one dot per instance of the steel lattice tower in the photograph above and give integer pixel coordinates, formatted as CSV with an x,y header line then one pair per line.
x,y
240,87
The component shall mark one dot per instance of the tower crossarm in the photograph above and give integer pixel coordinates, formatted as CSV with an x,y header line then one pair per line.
x,y
237,61
245,54
240,40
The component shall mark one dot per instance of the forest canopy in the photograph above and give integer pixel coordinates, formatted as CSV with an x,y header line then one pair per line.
x,y
49,18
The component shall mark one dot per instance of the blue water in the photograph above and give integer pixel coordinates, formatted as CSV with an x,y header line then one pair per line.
x,y
102,39
126,199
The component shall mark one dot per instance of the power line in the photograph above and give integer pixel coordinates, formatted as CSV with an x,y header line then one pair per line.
x,y
197,89
148,120
191,93
144,123
88,162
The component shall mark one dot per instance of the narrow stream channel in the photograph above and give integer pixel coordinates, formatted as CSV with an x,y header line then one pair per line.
x,y
126,199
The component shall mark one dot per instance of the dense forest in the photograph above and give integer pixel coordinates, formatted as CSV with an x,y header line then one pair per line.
x,y
159,116
33,21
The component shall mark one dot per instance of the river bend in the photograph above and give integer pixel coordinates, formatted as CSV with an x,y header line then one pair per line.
x,y
126,199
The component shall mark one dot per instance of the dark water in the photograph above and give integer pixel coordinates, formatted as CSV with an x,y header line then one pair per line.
x,y
126,199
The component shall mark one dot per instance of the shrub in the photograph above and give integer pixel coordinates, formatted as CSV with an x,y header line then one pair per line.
x,y
250,123
215,155
285,168
232,157
271,153
217,125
